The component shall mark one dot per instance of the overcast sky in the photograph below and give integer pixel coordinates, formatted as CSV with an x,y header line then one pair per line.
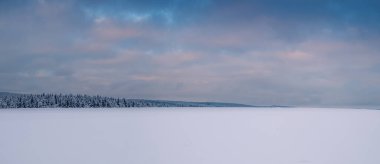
x,y
298,52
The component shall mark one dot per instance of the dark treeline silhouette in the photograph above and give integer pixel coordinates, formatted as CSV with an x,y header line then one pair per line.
x,y
85,101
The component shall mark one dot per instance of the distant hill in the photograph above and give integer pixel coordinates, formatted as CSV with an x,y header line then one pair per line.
x,y
14,100
7,94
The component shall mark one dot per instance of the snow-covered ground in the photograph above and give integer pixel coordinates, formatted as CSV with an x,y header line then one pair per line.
x,y
190,136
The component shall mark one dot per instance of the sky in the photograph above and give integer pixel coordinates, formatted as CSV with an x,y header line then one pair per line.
x,y
283,52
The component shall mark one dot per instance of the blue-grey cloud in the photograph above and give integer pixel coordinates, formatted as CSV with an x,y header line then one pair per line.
x,y
316,53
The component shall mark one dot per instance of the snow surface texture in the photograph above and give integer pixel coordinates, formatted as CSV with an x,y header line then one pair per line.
x,y
190,135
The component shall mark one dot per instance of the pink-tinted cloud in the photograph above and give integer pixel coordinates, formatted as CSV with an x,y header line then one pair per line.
x,y
252,52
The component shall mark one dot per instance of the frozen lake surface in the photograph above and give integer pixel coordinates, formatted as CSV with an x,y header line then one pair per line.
x,y
190,136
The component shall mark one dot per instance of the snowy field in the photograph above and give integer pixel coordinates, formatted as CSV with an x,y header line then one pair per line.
x,y
190,136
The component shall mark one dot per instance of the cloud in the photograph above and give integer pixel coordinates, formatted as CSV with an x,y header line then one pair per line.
x,y
314,53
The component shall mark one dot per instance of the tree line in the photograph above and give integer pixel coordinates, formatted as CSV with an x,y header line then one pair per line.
x,y
82,101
